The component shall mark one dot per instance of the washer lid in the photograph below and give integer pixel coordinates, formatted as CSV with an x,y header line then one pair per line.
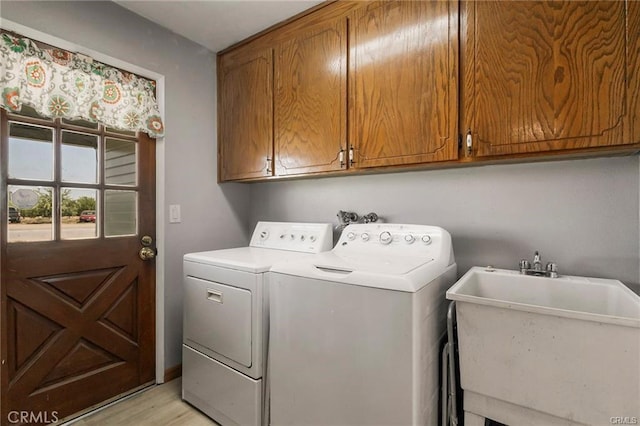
x,y
248,259
385,265
401,273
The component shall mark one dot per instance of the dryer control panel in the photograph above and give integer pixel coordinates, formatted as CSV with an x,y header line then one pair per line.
x,y
292,236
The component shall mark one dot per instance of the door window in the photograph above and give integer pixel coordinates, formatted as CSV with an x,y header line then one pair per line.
x,y
78,213
70,179
30,152
35,222
120,213
79,157
120,162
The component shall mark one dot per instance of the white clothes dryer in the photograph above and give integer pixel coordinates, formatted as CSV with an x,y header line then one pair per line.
x,y
355,332
226,314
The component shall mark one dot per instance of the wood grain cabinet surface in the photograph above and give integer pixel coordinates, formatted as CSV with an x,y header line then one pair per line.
x,y
310,106
245,113
544,76
633,70
353,86
403,83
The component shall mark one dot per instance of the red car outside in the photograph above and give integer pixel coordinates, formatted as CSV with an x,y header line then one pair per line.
x,y
87,216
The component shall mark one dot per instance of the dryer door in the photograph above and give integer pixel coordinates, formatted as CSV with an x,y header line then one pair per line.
x,y
218,317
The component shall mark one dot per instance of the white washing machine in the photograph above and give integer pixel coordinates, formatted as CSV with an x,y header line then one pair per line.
x,y
355,332
226,313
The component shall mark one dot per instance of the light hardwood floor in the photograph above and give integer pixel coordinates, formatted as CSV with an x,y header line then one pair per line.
x,y
161,405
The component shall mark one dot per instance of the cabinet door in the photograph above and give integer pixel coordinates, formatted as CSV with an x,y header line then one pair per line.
x,y
403,83
245,111
311,100
547,75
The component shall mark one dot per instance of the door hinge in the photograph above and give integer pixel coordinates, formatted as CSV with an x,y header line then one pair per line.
x,y
268,166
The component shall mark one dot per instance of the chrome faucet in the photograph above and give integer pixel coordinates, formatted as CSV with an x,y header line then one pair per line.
x,y
345,218
550,270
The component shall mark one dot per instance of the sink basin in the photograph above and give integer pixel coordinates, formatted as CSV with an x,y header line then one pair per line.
x,y
567,296
553,351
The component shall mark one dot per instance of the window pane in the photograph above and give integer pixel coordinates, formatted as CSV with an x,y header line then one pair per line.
x,y
79,157
78,209
82,123
29,213
120,213
120,162
30,152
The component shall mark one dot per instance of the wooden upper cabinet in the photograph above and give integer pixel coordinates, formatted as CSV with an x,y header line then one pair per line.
x,y
545,76
394,83
403,83
245,113
311,99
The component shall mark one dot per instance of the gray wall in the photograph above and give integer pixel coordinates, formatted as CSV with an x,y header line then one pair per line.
x,y
213,216
582,214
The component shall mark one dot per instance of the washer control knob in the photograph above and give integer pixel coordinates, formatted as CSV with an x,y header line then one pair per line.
x,y
365,237
386,237
302,237
351,236
264,235
293,237
409,239
312,238
426,239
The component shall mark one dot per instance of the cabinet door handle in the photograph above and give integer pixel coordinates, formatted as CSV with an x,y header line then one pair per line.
x,y
269,166
341,157
469,142
351,162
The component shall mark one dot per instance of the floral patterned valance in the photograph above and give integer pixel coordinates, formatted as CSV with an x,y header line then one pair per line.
x,y
58,83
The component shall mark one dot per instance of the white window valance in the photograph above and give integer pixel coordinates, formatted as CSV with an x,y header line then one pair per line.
x,y
58,83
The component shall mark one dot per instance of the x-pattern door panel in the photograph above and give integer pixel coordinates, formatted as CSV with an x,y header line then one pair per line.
x,y
68,331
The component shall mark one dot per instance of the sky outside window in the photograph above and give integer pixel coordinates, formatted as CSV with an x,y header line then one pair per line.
x,y
30,152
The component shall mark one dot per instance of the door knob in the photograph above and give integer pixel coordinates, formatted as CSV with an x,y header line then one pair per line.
x,y
147,253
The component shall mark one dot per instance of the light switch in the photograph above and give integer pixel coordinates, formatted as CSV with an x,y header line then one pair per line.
x,y
174,213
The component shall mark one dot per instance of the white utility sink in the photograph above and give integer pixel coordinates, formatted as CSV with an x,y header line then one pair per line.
x,y
552,351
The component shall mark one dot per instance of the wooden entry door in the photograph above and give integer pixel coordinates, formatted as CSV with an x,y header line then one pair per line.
x,y
78,302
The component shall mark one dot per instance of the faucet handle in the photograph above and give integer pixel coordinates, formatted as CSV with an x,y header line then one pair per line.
x,y
552,269
371,217
524,265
